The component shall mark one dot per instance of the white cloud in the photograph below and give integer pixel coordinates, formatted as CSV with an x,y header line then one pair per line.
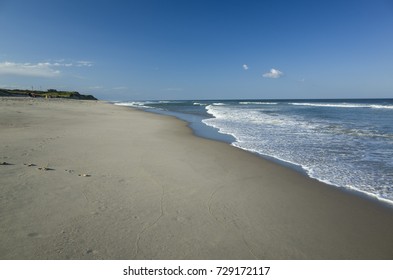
x,y
245,66
120,88
42,69
82,63
95,87
62,64
273,73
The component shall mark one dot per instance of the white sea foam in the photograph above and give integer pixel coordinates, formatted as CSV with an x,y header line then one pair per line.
x,y
136,104
253,116
356,132
344,105
382,106
328,150
371,195
257,103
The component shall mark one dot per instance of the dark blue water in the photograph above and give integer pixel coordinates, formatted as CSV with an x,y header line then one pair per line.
x,y
346,143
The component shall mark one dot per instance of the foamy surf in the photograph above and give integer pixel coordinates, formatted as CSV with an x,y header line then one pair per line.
x,y
345,143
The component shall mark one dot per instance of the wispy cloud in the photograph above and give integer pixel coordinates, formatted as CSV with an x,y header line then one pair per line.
x,y
57,64
273,74
84,63
40,69
120,88
174,89
95,87
245,66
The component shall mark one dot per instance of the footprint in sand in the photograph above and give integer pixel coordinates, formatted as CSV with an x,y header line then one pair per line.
x,y
91,251
45,169
80,175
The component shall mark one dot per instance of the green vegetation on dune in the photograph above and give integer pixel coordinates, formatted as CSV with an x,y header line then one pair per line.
x,y
50,93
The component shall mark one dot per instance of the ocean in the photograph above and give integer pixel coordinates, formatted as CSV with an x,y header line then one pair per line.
x,y
344,143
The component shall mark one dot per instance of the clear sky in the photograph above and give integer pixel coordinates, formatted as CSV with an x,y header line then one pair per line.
x,y
199,49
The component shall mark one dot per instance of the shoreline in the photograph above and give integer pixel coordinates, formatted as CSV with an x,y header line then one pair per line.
x,y
154,190
298,168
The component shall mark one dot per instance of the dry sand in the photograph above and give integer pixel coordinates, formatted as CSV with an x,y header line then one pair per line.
x,y
152,190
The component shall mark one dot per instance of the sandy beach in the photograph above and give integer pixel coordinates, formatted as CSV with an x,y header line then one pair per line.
x,y
90,180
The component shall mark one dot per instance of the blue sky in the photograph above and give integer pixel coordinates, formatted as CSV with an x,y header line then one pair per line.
x,y
198,49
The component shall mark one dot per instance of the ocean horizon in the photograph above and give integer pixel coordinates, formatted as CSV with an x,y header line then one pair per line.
x,y
347,143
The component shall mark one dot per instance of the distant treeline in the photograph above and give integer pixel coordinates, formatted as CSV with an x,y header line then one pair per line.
x,y
50,93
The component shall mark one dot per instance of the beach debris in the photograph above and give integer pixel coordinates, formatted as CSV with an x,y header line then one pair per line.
x,y
84,175
33,234
30,164
69,170
5,163
45,169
